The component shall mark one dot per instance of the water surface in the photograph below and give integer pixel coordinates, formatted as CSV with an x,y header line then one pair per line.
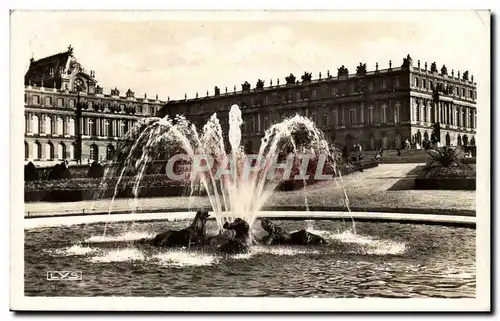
x,y
377,260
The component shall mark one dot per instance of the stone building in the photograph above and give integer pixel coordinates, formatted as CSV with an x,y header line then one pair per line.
x,y
66,112
379,108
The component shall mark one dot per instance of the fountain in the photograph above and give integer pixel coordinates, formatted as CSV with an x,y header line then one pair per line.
x,y
237,184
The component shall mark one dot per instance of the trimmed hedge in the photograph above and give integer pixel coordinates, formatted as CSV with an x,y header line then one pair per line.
x,y
92,194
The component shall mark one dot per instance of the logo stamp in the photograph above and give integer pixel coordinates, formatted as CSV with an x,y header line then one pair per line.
x,y
64,275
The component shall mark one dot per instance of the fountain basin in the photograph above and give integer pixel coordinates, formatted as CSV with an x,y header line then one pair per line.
x,y
455,220
378,259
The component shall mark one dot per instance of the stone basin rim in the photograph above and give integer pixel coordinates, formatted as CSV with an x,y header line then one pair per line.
x,y
454,220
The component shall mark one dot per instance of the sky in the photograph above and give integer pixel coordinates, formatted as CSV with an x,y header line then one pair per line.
x,y
171,54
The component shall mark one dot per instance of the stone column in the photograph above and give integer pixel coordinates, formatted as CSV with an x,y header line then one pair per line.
x,y
29,120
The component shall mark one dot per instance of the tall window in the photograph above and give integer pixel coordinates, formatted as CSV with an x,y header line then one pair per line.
x,y
424,83
93,126
384,114
108,128
72,103
94,152
59,127
49,151
48,125
335,118
352,117
122,128
396,113
416,82
370,115
60,102
266,123
72,151
61,151
71,127
314,93
36,125
37,150
48,101
151,111
325,120
36,99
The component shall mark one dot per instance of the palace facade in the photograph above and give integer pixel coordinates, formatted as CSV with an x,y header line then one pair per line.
x,y
68,116
377,109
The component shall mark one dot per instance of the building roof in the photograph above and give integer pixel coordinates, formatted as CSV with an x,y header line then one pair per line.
x,y
47,72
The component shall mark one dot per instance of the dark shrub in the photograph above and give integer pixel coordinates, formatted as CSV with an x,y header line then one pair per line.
x,y
59,171
30,172
445,157
95,170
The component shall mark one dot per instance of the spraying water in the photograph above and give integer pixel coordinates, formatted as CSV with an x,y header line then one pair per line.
x,y
237,185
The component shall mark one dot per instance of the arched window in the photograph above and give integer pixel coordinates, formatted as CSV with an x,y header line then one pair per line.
x,y
48,125
37,150
459,141
94,152
465,140
448,139
110,152
71,127
473,141
49,151
36,125
72,151
61,151
60,126
26,150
